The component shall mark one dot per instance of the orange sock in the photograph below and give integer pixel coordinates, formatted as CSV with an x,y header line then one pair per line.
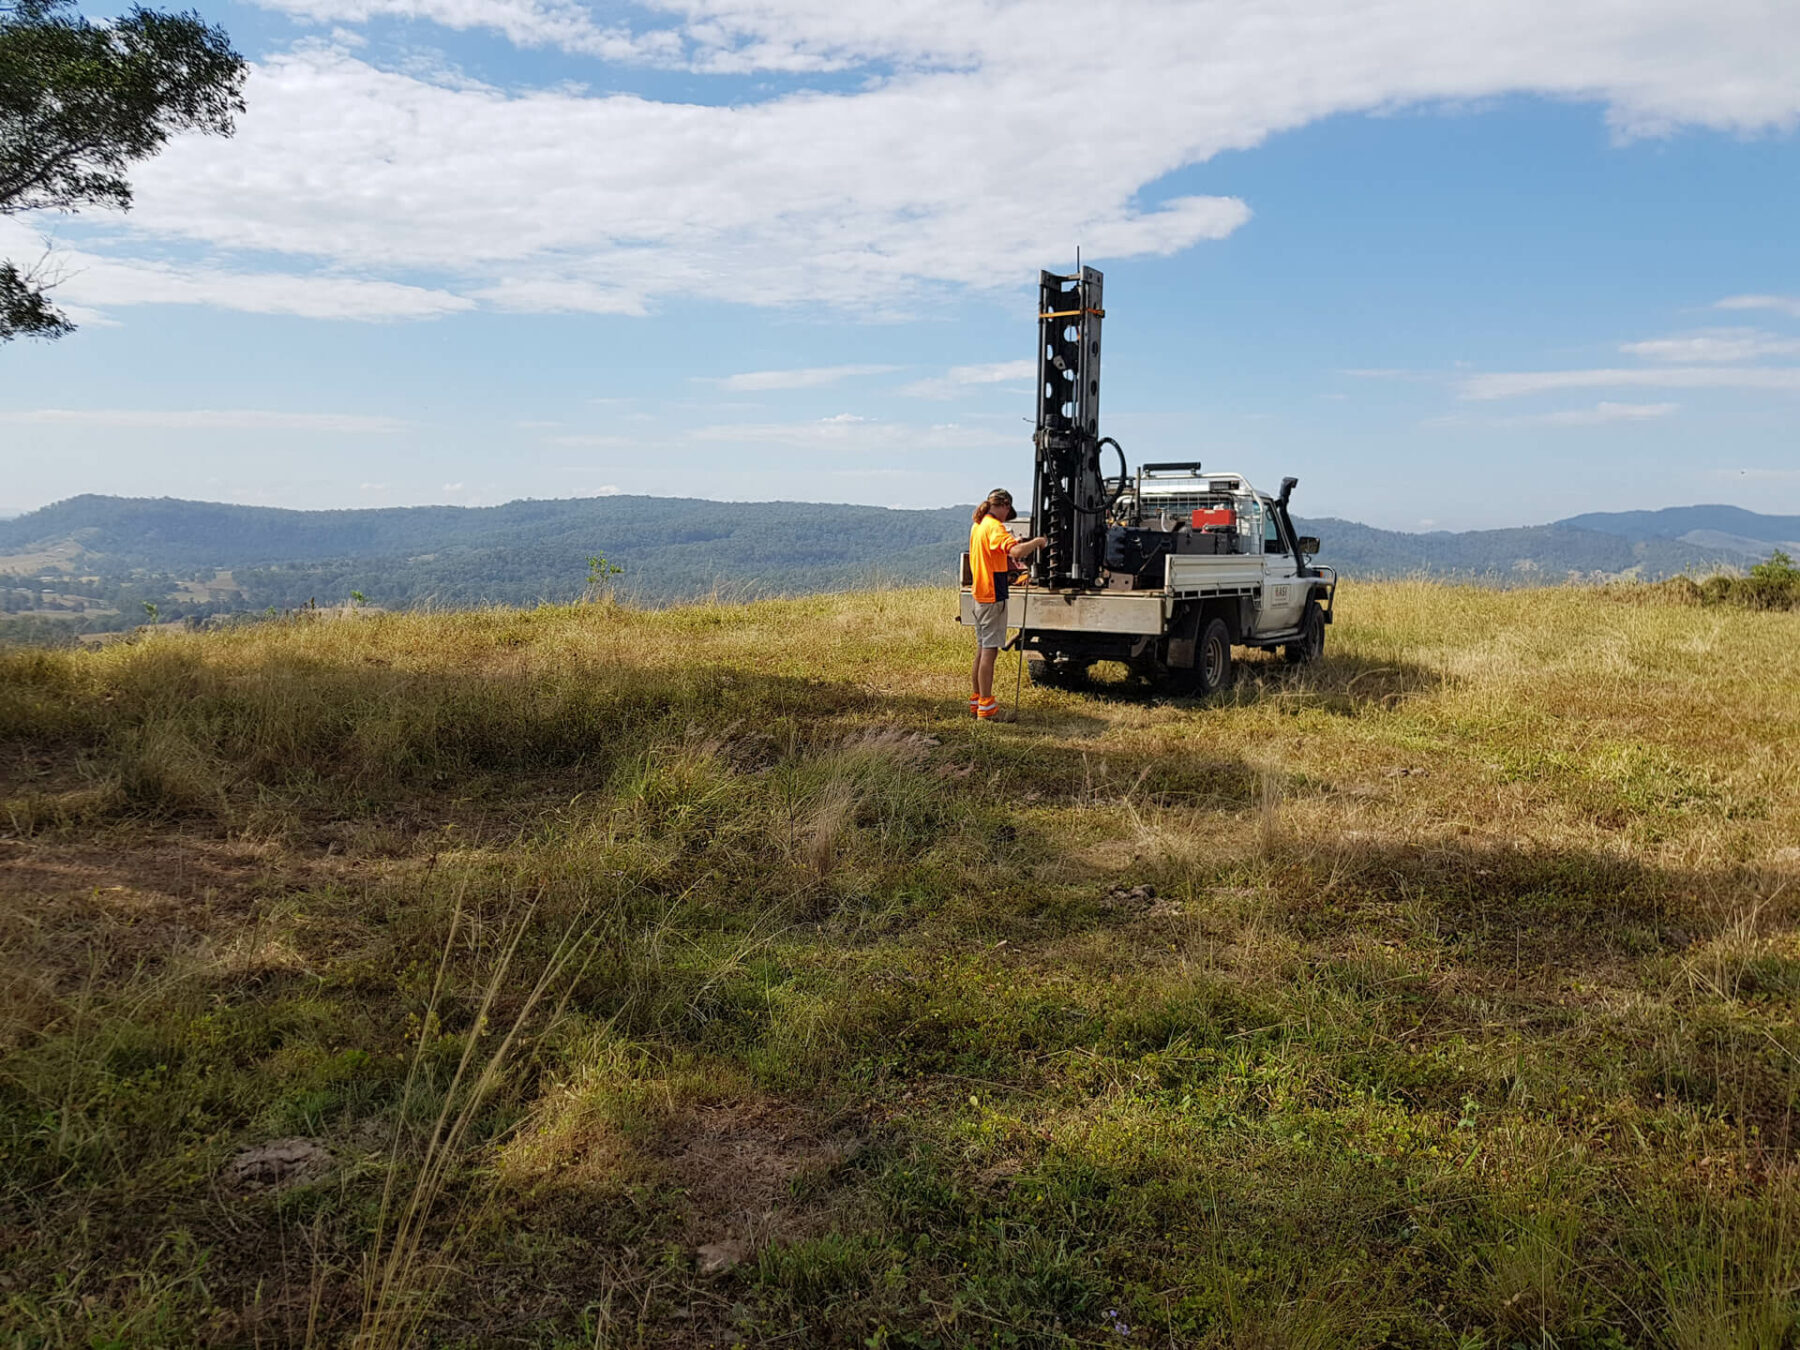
x,y
987,707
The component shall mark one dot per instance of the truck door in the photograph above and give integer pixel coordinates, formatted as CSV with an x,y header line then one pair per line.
x,y
1284,590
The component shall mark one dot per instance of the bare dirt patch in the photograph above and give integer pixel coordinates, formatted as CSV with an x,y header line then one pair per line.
x,y
139,904
745,1169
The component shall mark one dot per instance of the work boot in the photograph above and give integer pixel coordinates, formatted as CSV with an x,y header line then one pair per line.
x,y
974,705
987,709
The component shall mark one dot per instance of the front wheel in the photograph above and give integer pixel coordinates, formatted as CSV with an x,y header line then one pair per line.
x,y
1311,644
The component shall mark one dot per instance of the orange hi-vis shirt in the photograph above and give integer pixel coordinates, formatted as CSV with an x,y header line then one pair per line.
x,y
989,561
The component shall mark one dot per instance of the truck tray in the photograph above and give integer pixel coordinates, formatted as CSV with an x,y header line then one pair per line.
x,y
1078,612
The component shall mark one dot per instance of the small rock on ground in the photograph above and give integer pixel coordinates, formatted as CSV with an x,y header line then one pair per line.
x,y
714,1258
1130,897
277,1164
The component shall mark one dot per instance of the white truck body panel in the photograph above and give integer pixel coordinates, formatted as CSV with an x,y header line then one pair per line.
x,y
1214,573
1141,612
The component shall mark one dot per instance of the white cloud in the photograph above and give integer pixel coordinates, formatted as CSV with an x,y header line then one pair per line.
x,y
207,419
557,294
802,198
1513,384
84,282
1716,344
1597,415
583,440
961,379
814,377
848,431
949,165
1781,304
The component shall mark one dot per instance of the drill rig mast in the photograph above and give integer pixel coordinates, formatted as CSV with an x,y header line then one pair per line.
x,y
1069,499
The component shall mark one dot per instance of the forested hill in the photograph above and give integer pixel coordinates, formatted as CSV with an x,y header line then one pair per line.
x,y
1525,555
99,562
678,540
1719,527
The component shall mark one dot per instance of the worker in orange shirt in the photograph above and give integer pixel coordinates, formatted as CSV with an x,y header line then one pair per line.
x,y
993,556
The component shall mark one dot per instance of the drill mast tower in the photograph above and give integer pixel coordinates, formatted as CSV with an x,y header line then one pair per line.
x,y
1069,501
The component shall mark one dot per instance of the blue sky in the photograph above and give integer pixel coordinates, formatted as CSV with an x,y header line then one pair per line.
x,y
1453,266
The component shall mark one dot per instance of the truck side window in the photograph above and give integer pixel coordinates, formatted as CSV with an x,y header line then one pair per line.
x,y
1272,534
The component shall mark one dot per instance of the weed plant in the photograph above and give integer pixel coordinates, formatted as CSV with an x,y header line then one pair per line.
x,y
706,976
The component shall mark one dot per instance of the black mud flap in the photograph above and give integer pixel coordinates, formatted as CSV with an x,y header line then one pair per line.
x,y
1184,638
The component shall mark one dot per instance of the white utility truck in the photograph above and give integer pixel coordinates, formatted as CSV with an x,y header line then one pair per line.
x,y
1166,569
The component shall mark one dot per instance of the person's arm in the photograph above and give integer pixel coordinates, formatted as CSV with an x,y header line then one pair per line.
x,y
1021,551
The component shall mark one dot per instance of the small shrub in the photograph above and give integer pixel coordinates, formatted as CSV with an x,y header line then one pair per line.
x,y
1773,583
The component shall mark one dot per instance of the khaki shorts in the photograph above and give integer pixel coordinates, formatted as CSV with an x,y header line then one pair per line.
x,y
990,624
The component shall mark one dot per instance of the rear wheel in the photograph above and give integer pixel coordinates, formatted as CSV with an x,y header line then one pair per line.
x,y
1055,672
1212,659
1310,646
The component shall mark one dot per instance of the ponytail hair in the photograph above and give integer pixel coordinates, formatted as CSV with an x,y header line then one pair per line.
x,y
996,499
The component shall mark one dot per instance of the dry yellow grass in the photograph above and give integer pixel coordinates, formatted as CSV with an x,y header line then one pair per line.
x,y
1444,993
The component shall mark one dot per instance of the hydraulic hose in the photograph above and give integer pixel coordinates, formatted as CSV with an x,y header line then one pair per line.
x,y
1119,491
1124,472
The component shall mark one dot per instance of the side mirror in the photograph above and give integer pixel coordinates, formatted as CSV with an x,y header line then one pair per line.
x,y
1308,544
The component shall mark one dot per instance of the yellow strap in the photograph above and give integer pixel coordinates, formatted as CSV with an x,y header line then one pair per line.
x,y
1069,313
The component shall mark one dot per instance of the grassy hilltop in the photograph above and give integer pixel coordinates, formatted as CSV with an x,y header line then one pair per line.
x,y
705,976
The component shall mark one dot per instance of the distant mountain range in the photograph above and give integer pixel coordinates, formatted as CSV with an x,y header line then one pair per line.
x,y
1725,528
93,562
1649,544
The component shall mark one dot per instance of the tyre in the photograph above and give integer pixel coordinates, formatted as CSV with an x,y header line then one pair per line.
x,y
1054,672
1212,660
1311,644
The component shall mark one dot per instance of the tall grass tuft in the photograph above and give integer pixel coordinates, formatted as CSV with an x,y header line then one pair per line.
x,y
415,1244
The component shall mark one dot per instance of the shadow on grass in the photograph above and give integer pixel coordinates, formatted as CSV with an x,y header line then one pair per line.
x,y
1555,909
1346,685
179,738
1669,982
